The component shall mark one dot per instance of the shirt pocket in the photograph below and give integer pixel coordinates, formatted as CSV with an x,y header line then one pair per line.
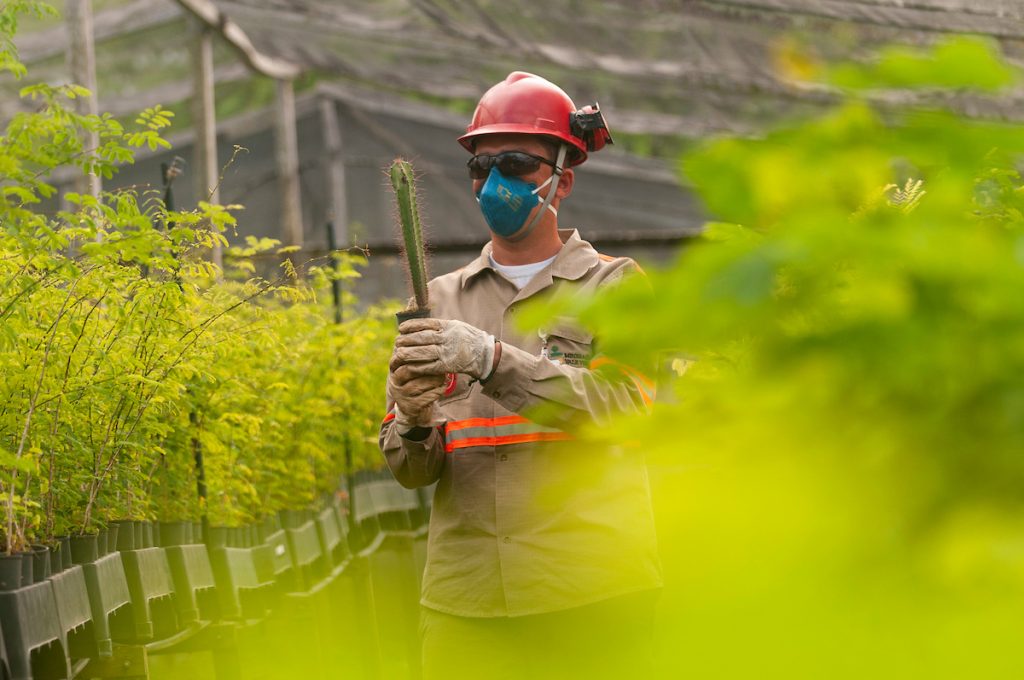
x,y
565,342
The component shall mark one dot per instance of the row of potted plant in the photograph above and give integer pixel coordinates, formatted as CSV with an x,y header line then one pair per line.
x,y
142,385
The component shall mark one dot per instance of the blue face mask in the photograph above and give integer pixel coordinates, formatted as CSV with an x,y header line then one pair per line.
x,y
506,202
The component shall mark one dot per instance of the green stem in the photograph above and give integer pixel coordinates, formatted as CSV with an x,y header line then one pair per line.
x,y
404,184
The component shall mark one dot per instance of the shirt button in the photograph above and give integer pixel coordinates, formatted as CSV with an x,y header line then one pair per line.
x,y
497,393
504,457
507,539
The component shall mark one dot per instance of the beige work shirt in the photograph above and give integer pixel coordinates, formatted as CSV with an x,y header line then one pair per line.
x,y
525,518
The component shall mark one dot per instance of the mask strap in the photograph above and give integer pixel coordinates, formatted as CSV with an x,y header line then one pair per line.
x,y
546,203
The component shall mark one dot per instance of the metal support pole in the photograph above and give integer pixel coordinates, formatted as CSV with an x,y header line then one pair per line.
x,y
82,64
335,174
204,114
287,156
336,289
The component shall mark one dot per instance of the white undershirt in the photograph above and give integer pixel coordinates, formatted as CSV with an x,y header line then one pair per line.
x,y
521,274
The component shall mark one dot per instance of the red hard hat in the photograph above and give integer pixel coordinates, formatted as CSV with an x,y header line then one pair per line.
x,y
528,104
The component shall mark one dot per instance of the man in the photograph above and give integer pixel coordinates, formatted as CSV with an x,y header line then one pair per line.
x,y
541,558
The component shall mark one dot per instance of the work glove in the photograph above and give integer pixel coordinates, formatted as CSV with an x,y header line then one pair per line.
x,y
416,400
439,346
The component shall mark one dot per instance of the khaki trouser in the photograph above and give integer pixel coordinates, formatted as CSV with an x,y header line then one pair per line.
x,y
609,639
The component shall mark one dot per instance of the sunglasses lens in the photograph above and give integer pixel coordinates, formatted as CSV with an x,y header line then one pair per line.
x,y
514,164
510,163
480,166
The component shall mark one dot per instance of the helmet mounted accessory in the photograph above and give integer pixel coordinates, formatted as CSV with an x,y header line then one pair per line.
x,y
589,125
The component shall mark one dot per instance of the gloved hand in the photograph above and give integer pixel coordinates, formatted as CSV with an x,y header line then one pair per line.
x,y
416,400
439,346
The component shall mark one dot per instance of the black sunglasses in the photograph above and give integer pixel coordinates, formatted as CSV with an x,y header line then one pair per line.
x,y
510,163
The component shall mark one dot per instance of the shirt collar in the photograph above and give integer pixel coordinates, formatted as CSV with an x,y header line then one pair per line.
x,y
575,259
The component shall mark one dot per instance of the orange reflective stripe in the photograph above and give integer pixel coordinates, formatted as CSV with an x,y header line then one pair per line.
x,y
486,422
500,431
388,418
644,384
502,440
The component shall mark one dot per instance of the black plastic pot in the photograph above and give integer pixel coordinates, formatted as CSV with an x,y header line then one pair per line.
x,y
291,519
40,562
84,549
125,534
101,541
217,537
56,563
5,666
27,570
58,552
140,534
113,532
175,533
65,552
11,571
231,537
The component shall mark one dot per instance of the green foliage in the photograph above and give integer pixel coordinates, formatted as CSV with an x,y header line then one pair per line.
x,y
961,62
838,472
10,15
279,400
124,352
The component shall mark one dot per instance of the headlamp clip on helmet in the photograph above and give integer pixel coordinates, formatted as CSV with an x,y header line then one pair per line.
x,y
589,125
